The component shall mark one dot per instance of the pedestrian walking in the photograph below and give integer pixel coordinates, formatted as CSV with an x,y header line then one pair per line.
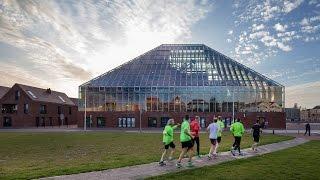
x,y
308,129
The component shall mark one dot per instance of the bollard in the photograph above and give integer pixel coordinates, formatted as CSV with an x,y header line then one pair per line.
x,y
273,131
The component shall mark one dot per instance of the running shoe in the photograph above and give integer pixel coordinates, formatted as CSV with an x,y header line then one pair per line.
x,y
178,165
162,163
190,164
233,153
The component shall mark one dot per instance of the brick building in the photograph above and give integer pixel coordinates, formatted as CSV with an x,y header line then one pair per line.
x,y
27,106
311,115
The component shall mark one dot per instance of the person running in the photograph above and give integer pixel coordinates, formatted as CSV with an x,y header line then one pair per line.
x,y
237,130
195,128
256,130
186,142
308,129
221,127
213,129
168,140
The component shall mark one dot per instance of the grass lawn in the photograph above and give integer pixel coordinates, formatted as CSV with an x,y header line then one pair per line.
x,y
300,162
33,155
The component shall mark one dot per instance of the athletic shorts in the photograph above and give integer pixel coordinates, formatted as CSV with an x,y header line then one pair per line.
x,y
219,139
256,138
187,144
213,141
172,145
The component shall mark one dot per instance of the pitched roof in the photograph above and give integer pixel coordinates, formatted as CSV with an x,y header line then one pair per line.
x,y
43,95
3,91
182,65
317,107
75,100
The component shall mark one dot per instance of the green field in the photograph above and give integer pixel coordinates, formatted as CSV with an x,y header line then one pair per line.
x,y
33,155
300,162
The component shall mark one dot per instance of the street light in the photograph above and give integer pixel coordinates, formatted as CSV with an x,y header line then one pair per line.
x,y
85,109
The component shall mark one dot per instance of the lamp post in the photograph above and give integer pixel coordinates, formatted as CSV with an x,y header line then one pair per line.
x,y
140,130
233,104
85,109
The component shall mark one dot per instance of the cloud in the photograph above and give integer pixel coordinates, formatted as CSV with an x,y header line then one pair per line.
x,y
230,32
270,28
303,94
279,27
284,47
290,5
257,27
73,41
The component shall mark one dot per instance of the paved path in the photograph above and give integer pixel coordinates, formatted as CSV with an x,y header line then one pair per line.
x,y
153,169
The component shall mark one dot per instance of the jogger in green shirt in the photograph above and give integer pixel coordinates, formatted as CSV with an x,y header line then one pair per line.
x,y
168,140
221,127
237,130
186,142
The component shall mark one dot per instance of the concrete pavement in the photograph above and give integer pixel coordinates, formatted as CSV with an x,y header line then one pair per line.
x,y
153,169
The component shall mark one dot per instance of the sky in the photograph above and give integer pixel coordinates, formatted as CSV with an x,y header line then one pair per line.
x,y
63,43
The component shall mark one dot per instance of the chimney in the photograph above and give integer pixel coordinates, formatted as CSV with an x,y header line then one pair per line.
x,y
48,91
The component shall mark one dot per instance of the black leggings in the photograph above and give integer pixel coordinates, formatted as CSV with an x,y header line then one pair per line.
x,y
236,144
197,140
307,131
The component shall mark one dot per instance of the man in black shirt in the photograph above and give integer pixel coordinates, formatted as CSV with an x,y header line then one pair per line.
x,y
308,129
256,130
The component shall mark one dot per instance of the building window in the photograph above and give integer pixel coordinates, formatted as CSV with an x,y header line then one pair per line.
x,y
17,95
37,121
70,110
7,122
164,121
26,108
31,93
50,121
43,109
59,110
43,121
152,122
127,122
9,108
101,122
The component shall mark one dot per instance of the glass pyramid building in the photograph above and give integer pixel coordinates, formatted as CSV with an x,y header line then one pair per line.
x,y
182,78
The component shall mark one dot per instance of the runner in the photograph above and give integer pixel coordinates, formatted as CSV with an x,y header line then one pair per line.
x,y
195,128
237,130
221,127
186,142
213,129
168,140
256,130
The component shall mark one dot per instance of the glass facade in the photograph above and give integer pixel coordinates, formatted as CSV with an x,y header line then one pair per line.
x,y
182,78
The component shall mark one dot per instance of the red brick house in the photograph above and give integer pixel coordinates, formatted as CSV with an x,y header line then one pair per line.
x,y
27,106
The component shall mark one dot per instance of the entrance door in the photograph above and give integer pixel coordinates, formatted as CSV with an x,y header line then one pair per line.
x,y
101,122
88,122
7,122
152,122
